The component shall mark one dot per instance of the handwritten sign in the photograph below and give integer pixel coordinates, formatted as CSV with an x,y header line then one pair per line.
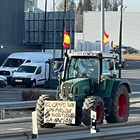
x,y
59,112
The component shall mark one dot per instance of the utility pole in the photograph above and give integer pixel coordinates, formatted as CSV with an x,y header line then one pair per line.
x,y
44,39
54,32
63,27
102,24
120,40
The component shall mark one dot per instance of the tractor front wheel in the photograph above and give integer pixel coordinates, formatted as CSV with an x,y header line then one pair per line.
x,y
40,111
120,106
94,103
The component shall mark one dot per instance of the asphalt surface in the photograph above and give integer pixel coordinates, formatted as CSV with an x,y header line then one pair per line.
x,y
131,72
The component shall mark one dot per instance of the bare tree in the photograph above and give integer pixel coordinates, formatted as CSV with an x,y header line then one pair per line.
x,y
70,5
79,10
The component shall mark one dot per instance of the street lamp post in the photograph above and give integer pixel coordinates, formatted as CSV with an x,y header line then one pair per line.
x,y
102,24
63,27
44,36
120,40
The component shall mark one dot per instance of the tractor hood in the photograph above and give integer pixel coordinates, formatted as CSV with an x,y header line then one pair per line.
x,y
75,88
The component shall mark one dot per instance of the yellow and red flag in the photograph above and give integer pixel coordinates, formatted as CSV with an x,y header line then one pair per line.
x,y
106,36
66,41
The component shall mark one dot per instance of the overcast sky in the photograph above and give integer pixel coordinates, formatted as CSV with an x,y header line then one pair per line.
x,y
131,4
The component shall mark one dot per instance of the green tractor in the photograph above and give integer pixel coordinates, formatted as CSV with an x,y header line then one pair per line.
x,y
88,82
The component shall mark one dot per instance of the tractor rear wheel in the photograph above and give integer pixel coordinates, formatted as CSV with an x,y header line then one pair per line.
x,y
94,103
120,106
40,111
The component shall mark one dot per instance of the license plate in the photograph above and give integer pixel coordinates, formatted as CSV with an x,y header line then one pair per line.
x,y
59,112
18,80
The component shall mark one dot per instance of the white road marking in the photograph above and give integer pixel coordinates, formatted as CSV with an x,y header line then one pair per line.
x,y
13,129
134,110
134,117
134,84
135,92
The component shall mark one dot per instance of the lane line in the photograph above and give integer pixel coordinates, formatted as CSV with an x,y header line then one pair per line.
x,y
134,110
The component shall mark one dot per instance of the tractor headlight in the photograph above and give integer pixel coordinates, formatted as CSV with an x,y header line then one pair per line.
x,y
61,95
70,95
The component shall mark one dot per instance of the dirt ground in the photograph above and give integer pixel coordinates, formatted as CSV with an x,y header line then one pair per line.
x,y
131,56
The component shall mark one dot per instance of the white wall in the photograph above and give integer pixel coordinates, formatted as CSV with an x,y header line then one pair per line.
x,y
131,27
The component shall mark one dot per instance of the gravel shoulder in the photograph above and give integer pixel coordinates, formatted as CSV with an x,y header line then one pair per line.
x,y
131,56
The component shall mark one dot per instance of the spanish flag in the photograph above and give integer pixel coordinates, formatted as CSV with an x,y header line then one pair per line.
x,y
106,36
66,41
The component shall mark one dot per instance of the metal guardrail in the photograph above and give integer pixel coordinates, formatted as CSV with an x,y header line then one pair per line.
x,y
128,134
29,104
122,131
16,105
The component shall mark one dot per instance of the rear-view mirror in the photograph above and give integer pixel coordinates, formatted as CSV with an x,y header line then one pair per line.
x,y
110,65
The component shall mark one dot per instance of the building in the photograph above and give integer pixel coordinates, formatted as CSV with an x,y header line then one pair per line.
x,y
23,28
12,24
130,26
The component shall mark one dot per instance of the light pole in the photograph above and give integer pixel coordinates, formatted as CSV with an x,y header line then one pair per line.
x,y
63,27
44,37
102,24
120,40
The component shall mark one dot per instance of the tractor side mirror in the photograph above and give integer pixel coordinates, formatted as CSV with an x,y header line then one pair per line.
x,y
110,65
59,78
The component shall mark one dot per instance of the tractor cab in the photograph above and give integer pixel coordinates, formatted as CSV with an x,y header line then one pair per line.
x,y
94,65
84,73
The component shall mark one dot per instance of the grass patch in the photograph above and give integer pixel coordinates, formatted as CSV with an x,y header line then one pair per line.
x,y
131,56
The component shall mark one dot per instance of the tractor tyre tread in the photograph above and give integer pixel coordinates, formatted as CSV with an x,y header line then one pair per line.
x,y
113,116
89,104
40,111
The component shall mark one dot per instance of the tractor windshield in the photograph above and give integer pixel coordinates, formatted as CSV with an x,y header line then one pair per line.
x,y
82,67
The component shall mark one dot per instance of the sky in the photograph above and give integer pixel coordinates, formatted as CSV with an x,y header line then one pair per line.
x,y
131,4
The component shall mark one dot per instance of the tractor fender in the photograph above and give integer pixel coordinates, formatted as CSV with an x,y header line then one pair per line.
x,y
117,83
111,95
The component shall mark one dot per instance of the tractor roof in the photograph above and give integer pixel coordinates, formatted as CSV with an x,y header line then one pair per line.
x,y
90,54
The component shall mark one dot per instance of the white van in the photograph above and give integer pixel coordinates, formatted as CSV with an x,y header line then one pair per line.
x,y
30,74
14,60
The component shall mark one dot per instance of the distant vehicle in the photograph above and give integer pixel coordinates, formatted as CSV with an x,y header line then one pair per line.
x,y
116,50
132,50
116,59
14,60
3,81
124,50
30,74
128,50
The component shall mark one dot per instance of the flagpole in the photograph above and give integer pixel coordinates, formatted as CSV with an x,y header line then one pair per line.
x,y
120,40
102,25
63,28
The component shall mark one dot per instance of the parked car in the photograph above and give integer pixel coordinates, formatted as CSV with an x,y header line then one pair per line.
x,y
14,60
3,81
116,50
124,50
116,59
30,74
128,50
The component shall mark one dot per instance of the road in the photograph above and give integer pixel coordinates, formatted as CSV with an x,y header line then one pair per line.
x,y
26,126
130,72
